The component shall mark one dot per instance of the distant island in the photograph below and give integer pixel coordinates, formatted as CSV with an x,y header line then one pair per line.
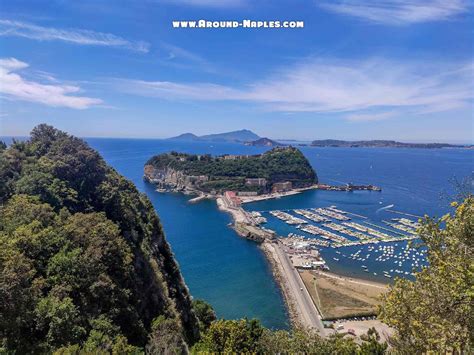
x,y
250,138
380,144
243,135
279,169
264,142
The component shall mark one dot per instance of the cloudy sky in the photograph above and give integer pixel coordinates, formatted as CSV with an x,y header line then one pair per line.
x,y
359,69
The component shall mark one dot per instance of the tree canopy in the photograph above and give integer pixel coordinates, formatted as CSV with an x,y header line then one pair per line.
x,y
434,313
83,258
276,165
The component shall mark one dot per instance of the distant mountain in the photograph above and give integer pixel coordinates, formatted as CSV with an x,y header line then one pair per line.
x,y
379,144
185,137
264,142
243,135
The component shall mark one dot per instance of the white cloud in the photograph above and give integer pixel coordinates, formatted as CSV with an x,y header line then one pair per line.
x,y
76,36
175,52
15,87
397,12
184,59
331,87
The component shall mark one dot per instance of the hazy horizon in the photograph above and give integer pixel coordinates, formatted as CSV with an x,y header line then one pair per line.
x,y
2,137
356,71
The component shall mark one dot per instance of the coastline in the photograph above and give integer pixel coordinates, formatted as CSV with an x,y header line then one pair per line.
x,y
302,309
295,320
273,195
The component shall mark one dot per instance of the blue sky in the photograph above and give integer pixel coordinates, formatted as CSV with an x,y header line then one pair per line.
x,y
359,69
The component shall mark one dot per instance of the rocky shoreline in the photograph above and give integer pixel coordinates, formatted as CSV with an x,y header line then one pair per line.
x,y
279,279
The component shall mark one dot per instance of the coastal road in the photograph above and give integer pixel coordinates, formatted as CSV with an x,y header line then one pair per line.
x,y
309,314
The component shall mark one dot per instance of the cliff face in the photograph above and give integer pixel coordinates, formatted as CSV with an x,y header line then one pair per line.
x,y
167,177
83,214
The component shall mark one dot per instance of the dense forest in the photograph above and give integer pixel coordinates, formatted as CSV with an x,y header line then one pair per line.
x,y
83,258
85,269
229,173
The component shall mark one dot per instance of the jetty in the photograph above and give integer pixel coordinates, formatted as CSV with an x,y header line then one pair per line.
x,y
348,187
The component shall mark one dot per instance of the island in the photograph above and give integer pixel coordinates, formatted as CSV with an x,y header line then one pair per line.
x,y
243,135
264,142
280,169
380,144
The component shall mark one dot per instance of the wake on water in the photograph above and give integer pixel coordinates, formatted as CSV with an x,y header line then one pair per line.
x,y
384,208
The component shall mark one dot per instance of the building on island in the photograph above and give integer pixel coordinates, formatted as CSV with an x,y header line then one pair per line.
x,y
256,182
194,179
282,186
233,157
247,193
231,199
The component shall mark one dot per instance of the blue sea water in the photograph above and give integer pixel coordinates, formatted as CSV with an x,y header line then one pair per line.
x,y
416,182
230,272
227,271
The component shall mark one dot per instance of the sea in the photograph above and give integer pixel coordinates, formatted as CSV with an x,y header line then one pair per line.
x,y
232,273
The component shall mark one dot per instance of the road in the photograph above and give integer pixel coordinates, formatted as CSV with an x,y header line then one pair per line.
x,y
309,314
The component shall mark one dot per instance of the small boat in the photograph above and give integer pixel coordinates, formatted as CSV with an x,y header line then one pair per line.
x,y
336,259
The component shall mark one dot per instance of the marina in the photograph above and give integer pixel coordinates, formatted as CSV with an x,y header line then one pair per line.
x,y
379,250
336,227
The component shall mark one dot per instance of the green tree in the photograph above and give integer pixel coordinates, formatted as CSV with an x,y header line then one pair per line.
x,y
434,312
78,244
59,319
166,337
205,313
371,343
231,336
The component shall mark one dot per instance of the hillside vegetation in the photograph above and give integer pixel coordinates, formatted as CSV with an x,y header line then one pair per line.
x,y
434,314
83,258
276,165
